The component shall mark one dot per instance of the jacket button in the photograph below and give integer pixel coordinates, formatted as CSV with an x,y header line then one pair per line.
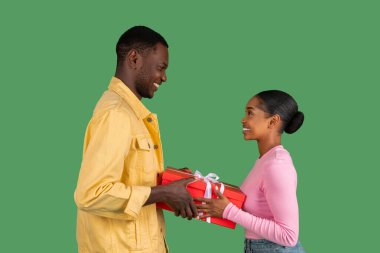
x,y
155,146
149,119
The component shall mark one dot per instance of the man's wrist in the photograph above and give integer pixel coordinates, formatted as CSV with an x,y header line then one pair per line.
x,y
159,193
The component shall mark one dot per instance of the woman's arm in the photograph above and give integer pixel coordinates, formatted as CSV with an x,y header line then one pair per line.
x,y
279,186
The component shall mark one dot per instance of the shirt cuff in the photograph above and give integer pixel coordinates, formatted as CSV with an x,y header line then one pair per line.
x,y
138,197
227,210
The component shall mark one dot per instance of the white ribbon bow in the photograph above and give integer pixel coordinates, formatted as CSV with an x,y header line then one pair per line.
x,y
210,178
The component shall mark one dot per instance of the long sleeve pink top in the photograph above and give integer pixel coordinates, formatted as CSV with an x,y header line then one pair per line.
x,y
270,210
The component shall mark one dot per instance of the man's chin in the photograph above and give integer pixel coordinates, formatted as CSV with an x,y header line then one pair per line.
x,y
150,96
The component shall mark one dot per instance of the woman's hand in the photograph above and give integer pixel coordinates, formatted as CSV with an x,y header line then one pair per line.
x,y
212,207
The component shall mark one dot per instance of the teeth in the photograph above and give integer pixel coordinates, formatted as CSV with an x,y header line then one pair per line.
x,y
246,129
155,84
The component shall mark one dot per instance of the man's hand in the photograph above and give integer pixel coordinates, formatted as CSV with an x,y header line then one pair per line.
x,y
179,199
176,196
212,207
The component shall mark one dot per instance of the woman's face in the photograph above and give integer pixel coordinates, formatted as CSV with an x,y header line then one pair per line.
x,y
255,122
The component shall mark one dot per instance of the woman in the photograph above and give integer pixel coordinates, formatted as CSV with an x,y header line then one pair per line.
x,y
270,212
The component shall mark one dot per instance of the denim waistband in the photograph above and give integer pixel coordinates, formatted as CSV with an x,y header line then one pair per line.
x,y
262,243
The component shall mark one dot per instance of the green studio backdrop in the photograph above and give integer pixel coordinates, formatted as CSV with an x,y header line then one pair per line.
x,y
57,58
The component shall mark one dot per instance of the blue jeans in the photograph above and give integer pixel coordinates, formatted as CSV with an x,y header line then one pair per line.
x,y
265,246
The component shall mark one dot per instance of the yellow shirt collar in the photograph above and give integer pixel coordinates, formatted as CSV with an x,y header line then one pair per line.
x,y
128,96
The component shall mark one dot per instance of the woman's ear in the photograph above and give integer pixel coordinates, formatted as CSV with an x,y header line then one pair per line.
x,y
274,121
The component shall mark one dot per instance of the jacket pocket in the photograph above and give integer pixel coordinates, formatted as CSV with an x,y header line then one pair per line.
x,y
145,153
143,143
125,235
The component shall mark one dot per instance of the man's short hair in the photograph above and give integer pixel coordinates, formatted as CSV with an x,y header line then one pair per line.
x,y
139,38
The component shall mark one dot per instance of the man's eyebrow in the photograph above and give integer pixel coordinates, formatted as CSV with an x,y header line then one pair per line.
x,y
250,107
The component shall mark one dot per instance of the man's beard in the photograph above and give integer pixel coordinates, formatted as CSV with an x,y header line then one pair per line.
x,y
143,85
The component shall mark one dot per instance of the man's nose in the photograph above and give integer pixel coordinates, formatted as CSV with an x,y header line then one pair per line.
x,y
164,77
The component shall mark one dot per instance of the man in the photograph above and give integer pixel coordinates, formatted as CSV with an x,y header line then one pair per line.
x,y
122,157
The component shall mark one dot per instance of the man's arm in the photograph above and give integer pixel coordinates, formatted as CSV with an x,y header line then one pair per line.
x,y
176,196
99,190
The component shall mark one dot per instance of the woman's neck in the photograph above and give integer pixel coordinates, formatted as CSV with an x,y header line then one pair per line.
x,y
268,143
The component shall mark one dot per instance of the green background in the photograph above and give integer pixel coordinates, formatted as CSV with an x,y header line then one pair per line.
x,y
57,58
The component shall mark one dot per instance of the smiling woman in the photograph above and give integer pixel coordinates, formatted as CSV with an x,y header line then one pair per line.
x,y
270,212
271,108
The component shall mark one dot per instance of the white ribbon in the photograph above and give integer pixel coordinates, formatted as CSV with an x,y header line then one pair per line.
x,y
210,178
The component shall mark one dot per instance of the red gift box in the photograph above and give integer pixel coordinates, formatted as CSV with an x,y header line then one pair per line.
x,y
197,189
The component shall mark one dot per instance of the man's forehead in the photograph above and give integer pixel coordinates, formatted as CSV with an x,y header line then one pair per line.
x,y
160,51
159,48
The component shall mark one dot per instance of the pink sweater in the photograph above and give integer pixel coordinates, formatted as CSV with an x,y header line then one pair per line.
x,y
270,210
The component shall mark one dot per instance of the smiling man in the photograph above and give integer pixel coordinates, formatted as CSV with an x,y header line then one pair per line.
x,y
122,157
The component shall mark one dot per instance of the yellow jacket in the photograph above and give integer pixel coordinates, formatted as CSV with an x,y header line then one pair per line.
x,y
122,156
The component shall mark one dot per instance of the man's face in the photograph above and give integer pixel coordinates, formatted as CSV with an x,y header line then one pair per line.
x,y
152,72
